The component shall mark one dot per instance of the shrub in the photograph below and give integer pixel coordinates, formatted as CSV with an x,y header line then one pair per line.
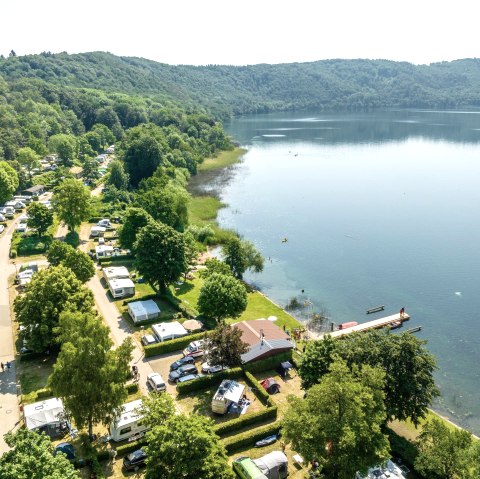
x,y
72,239
185,310
128,448
269,363
244,421
103,456
172,345
143,298
13,253
249,438
132,388
208,380
44,393
114,259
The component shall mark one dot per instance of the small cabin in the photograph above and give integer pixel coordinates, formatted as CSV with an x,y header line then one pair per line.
x,y
128,423
121,287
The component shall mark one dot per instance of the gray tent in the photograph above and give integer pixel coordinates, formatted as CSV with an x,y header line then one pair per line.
x,y
274,465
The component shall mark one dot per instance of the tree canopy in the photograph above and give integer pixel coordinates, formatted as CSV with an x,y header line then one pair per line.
x,y
71,202
225,347
31,457
79,262
134,220
117,175
29,159
89,375
221,297
50,292
339,423
241,255
8,181
40,217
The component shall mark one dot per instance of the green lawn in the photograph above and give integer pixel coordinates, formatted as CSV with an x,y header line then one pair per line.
x,y
225,158
33,375
202,210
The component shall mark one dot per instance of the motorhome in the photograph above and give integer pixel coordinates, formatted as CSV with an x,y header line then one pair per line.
x,y
229,392
129,423
121,287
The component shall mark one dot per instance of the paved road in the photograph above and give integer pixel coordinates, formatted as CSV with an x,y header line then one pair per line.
x,y
9,406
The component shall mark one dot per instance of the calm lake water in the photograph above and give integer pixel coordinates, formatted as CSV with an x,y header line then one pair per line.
x,y
378,208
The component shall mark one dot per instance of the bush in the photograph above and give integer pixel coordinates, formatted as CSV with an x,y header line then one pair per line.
x,y
114,259
44,393
132,388
143,298
244,421
132,446
209,380
172,345
249,438
259,391
72,239
13,253
269,363
103,456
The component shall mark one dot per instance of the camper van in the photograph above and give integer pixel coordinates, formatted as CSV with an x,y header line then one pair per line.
x,y
271,466
129,423
229,392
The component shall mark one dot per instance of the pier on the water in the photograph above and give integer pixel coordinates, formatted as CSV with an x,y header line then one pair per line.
x,y
375,324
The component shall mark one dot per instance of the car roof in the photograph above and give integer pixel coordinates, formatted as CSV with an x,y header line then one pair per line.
x,y
188,377
136,454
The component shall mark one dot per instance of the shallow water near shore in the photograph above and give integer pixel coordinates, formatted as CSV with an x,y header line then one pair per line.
x,y
378,208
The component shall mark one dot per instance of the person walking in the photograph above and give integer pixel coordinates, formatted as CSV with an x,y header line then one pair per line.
x,y
3,367
8,365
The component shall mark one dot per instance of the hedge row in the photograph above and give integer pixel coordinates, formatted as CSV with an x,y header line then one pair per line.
x,y
185,310
249,438
172,345
115,259
258,389
130,447
208,380
143,298
269,363
244,421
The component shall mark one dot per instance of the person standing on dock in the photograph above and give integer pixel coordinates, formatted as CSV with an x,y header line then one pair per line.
x,y
402,313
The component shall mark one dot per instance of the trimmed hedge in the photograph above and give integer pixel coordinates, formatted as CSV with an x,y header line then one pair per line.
x,y
44,393
132,388
244,421
143,298
249,438
259,391
115,259
209,380
172,345
269,363
130,447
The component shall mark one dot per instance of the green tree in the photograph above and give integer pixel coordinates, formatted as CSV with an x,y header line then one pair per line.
x,y
117,175
71,201
40,217
90,170
225,346
66,147
339,423
135,219
89,375
79,262
167,204
445,452
186,447
214,265
160,255
241,255
57,252
50,292
222,297
29,159
8,181
409,383
157,409
31,457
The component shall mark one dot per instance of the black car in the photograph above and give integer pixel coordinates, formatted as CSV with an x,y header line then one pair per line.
x,y
181,362
135,460
174,376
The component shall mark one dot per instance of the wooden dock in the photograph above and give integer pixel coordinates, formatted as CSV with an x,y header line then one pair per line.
x,y
375,324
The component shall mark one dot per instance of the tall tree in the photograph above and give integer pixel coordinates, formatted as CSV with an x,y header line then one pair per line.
x,y
186,447
40,217
117,175
71,201
66,147
90,170
221,297
29,159
339,423
79,262
241,255
214,265
89,375
225,346
50,292
408,365
445,452
160,255
8,181
31,457
135,219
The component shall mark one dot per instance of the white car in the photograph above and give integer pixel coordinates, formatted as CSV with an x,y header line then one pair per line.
x,y
194,349
105,223
156,382
207,369
2,227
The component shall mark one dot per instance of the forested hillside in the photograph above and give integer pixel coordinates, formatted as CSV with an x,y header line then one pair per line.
x,y
226,90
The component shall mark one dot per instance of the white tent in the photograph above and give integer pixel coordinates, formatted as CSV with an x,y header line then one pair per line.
x,y
47,416
171,330
274,465
143,310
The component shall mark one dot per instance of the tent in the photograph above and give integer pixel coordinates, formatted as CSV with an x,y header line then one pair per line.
x,y
46,416
170,330
143,310
192,325
274,465
283,368
271,386
67,449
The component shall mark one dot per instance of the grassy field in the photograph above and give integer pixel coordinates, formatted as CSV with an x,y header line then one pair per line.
x,y
33,375
225,158
202,210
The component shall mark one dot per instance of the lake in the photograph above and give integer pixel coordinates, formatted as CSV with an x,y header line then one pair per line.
x,y
378,208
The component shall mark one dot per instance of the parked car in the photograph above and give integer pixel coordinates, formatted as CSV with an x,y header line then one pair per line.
x,y
148,339
2,227
174,376
195,349
2,218
135,460
181,362
156,382
189,377
105,223
207,369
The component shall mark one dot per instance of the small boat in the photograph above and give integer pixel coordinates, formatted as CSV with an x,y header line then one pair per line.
x,y
414,330
266,441
395,324
376,309
350,324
